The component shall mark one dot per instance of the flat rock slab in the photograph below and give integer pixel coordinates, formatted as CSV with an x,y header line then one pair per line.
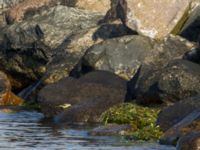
x,y
156,18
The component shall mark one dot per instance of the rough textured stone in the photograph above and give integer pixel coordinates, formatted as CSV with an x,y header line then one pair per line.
x,y
176,81
191,30
155,19
124,55
4,6
189,124
6,95
190,141
94,5
171,115
28,46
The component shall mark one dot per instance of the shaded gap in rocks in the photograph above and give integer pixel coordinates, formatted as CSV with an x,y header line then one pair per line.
x,y
109,31
80,69
192,32
132,86
118,10
193,55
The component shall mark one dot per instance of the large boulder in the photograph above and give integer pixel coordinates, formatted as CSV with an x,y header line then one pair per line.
x,y
176,81
84,99
155,19
124,55
171,115
121,55
28,46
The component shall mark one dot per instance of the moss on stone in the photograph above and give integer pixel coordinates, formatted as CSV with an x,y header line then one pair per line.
x,y
142,119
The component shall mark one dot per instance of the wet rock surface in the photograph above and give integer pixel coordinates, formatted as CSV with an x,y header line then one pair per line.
x,y
187,125
189,142
82,100
171,115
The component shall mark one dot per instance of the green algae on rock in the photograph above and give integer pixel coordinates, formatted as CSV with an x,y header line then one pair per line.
x,y
142,119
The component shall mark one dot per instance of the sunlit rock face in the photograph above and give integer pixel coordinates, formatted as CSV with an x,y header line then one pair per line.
x,y
155,18
94,5
6,96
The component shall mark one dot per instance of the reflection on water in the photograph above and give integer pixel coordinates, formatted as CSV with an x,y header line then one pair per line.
x,y
22,131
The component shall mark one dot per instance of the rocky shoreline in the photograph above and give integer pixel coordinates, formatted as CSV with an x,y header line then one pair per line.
x,y
132,65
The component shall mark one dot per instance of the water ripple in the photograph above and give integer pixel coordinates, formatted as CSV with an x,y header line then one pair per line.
x,y
22,131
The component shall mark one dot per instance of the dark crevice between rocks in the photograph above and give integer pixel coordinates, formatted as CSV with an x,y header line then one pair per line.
x,y
192,32
132,86
118,10
109,31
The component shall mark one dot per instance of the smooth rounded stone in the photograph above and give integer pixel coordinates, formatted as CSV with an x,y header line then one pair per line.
x,y
110,130
121,55
171,115
174,82
84,101
191,123
147,17
190,141
91,108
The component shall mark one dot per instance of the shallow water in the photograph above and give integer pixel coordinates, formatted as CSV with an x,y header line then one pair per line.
x,y
23,131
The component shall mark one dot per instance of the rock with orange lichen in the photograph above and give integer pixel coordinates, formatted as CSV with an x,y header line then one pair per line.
x,y
17,12
6,95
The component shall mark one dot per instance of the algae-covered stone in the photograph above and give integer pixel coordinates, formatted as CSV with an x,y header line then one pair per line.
x,y
142,119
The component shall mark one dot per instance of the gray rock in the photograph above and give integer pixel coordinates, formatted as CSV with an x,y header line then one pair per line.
x,y
190,141
171,115
124,55
189,124
176,81
28,46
